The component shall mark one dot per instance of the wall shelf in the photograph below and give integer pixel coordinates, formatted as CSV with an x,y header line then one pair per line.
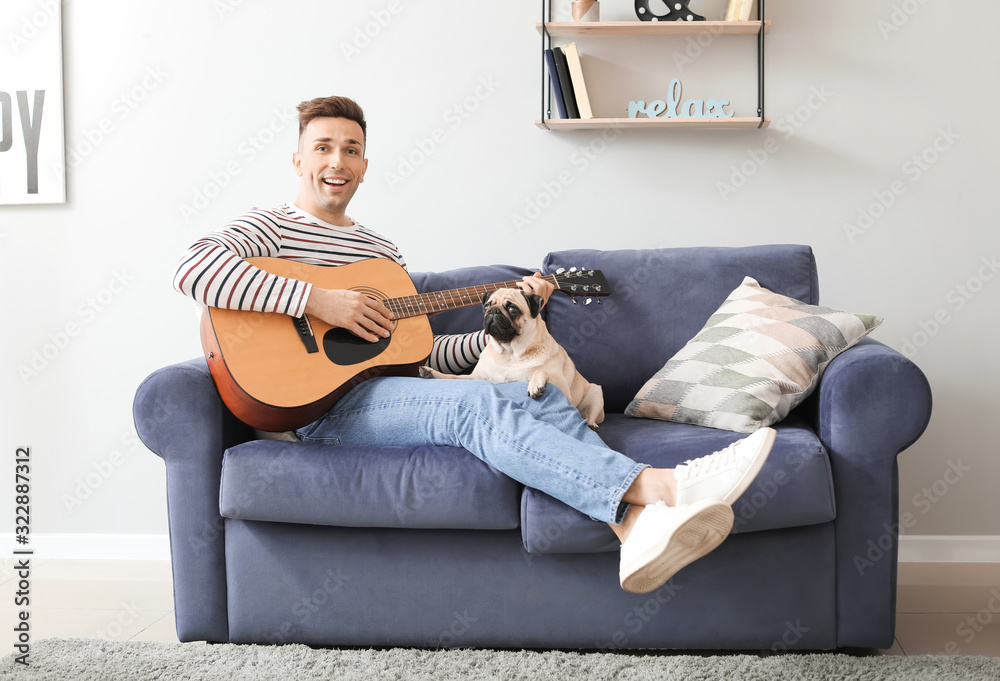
x,y
570,29
649,123
566,29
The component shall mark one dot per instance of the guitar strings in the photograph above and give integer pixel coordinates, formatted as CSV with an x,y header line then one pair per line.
x,y
440,301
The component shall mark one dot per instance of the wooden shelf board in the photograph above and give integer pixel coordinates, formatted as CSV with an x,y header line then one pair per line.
x,y
612,28
647,123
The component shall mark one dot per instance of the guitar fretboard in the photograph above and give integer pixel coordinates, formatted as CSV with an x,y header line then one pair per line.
x,y
438,301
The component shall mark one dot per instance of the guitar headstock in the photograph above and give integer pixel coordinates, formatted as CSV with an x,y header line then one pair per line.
x,y
576,282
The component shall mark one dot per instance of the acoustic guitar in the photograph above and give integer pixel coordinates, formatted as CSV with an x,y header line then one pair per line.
x,y
276,372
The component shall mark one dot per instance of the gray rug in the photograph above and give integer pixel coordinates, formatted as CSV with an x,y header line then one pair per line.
x,y
89,659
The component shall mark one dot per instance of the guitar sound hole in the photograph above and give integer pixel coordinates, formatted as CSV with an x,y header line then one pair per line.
x,y
345,349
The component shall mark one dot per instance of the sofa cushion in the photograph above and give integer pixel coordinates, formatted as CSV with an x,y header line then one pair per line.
x,y
757,358
322,484
660,299
794,488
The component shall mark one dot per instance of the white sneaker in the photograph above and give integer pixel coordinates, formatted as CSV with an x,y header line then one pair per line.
x,y
665,538
726,474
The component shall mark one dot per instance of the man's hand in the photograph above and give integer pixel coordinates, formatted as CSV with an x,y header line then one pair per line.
x,y
365,317
534,284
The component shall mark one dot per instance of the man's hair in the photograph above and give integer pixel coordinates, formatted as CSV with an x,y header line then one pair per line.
x,y
331,107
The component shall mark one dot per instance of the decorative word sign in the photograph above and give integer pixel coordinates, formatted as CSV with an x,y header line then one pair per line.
x,y
32,153
692,108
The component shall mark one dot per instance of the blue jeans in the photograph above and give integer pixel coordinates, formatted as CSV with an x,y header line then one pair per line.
x,y
542,443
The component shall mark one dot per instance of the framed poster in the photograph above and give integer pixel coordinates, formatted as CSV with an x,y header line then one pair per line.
x,y
32,147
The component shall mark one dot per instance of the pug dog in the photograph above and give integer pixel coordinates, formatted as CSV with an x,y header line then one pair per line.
x,y
520,348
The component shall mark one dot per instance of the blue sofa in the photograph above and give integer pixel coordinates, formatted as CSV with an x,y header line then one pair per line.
x,y
277,542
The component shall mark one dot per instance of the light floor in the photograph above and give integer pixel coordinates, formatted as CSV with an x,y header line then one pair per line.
x,y
941,607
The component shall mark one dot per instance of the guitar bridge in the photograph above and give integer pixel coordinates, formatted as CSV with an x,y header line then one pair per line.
x,y
305,331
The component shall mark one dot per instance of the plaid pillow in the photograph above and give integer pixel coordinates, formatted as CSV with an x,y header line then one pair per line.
x,y
757,357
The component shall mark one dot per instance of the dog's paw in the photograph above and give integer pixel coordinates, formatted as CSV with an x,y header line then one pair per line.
x,y
537,383
536,389
594,427
427,372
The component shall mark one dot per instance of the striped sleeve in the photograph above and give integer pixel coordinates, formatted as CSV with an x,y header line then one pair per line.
x,y
455,353
213,271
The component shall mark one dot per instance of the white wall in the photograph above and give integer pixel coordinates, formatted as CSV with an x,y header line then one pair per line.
x,y
204,85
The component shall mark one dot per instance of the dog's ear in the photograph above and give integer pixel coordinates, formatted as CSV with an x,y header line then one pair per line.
x,y
534,303
487,296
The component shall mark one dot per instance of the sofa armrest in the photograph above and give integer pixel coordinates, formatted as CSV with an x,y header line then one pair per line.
x,y
871,404
180,417
865,389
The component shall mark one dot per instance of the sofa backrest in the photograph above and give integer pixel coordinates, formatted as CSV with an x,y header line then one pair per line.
x,y
661,298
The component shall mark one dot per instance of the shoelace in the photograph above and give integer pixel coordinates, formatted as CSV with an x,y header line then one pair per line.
x,y
705,465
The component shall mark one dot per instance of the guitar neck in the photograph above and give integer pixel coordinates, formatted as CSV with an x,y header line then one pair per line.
x,y
439,301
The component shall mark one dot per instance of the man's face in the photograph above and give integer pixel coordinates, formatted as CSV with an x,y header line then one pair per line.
x,y
331,163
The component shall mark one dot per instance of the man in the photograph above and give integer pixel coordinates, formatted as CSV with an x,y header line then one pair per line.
x,y
665,518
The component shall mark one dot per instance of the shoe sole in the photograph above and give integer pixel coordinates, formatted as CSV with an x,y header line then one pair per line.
x,y
695,538
751,473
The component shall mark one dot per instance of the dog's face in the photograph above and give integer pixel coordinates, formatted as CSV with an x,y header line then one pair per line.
x,y
510,312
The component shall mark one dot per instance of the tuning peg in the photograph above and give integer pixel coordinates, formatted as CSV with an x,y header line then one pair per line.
x,y
560,270
572,269
588,301
574,300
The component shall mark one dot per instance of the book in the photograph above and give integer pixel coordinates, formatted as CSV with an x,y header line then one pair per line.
x,y
739,10
557,93
576,74
566,83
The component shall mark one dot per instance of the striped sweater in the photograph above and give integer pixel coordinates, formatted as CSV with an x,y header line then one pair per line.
x,y
213,271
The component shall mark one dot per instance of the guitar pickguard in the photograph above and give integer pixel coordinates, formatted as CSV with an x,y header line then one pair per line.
x,y
345,349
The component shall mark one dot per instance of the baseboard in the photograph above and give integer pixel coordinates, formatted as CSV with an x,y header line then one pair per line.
x,y
929,548
94,546
912,549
